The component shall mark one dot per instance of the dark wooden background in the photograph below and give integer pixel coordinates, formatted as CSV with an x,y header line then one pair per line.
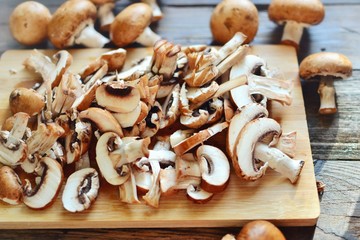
x,y
334,139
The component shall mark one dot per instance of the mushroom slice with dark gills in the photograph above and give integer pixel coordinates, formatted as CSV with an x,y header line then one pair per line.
x,y
48,184
171,108
253,132
81,190
14,150
114,154
197,194
11,189
214,167
118,96
152,120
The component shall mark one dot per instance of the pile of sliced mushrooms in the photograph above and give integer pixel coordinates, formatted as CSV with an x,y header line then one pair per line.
x,y
143,129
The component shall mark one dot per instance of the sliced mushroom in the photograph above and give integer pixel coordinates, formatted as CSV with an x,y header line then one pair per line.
x,y
77,141
128,190
187,167
102,119
13,149
11,187
248,113
81,190
279,161
152,197
196,119
108,143
214,167
201,94
251,133
118,96
198,195
134,117
47,188
26,100
171,108
198,138
152,121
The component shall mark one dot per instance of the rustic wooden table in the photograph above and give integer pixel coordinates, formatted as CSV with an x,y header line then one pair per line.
x,y
334,139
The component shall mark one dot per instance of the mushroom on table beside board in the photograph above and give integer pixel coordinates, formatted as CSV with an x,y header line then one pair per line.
x,y
328,66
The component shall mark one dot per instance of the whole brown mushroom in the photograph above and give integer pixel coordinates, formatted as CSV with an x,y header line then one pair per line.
x,y
28,23
295,15
327,66
132,25
26,100
232,16
73,23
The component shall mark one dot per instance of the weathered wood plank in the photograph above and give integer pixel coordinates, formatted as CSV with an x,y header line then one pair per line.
x,y
340,202
337,136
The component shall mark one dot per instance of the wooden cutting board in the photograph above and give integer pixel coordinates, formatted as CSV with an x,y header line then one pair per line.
x,y
272,197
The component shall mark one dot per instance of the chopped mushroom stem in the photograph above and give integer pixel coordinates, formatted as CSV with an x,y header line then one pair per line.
x,y
326,91
148,37
293,32
278,161
89,37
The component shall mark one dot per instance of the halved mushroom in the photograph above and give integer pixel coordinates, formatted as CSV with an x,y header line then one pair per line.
x,y
260,81
198,195
103,119
118,96
26,100
214,167
198,138
108,143
11,187
279,161
81,190
48,185
13,149
73,23
251,133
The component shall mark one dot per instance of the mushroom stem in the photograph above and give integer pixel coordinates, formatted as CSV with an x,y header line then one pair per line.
x,y
148,38
279,161
106,16
156,11
326,91
292,33
89,37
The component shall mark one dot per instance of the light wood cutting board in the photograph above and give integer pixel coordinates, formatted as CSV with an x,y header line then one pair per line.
x,y
272,197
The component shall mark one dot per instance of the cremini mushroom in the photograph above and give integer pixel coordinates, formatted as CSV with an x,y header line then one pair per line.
x,y
156,11
26,100
105,13
13,149
132,25
28,23
232,16
197,194
49,181
73,23
81,189
129,119
11,188
260,229
214,168
295,15
251,133
328,66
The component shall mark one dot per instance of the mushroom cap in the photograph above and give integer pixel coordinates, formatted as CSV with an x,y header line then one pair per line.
x,y
232,16
28,23
100,2
260,229
26,100
325,64
11,189
67,20
306,11
130,23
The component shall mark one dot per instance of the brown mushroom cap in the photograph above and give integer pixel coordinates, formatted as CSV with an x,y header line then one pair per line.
x,y
232,16
11,189
28,23
100,2
306,11
130,23
26,100
325,64
67,19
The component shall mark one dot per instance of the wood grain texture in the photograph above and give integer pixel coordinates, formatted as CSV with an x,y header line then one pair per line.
x,y
297,205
